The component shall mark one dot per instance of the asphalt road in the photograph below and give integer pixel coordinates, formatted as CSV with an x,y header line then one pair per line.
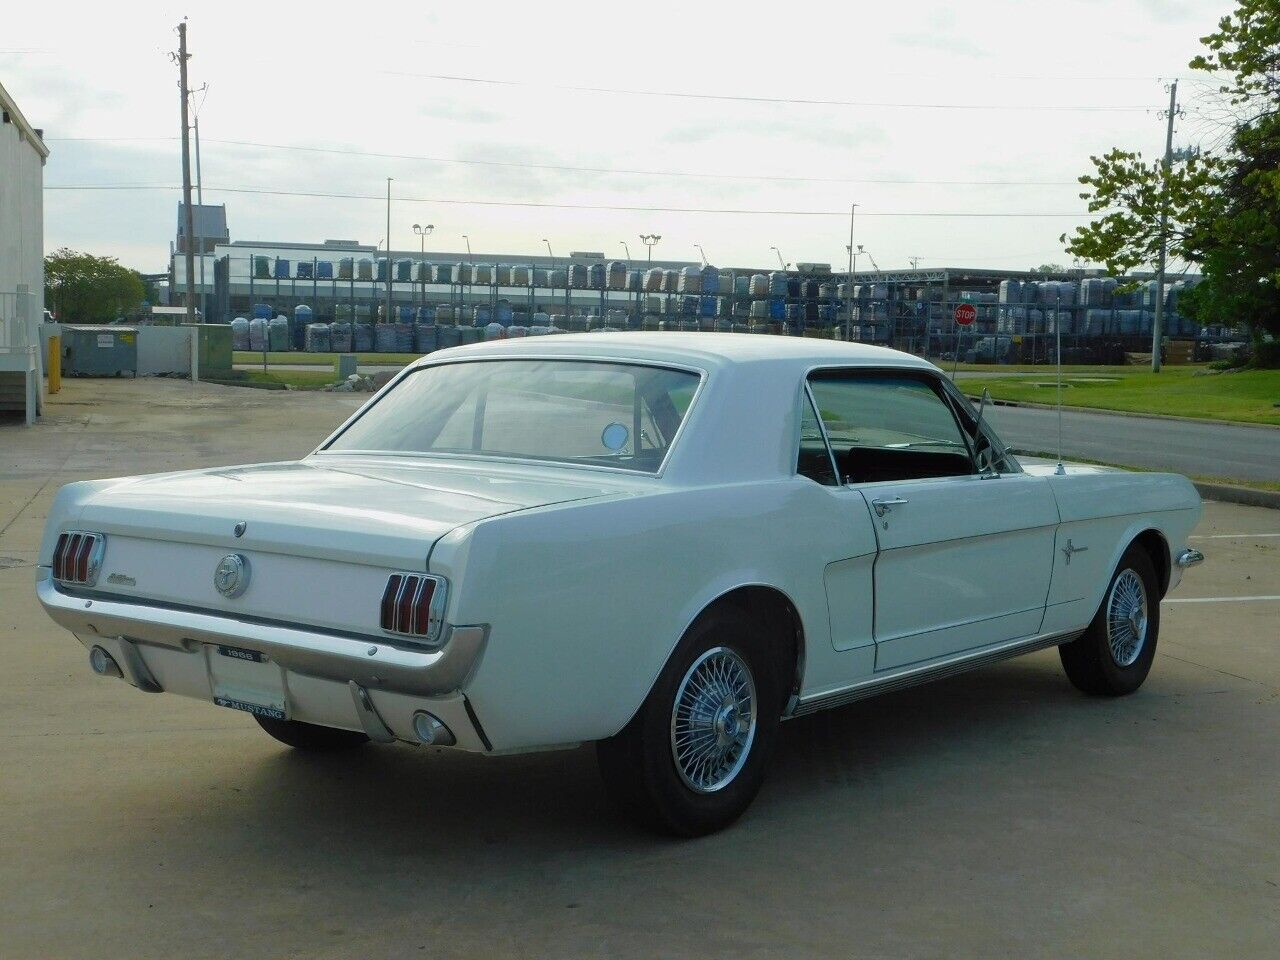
x,y
998,814
1221,450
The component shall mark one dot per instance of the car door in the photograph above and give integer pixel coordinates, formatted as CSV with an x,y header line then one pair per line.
x,y
964,557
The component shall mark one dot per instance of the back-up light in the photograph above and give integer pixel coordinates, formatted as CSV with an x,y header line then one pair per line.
x,y
77,557
413,605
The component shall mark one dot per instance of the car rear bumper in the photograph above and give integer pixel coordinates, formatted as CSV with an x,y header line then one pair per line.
x,y
330,680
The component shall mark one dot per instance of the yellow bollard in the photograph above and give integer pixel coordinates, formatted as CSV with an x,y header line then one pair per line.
x,y
53,364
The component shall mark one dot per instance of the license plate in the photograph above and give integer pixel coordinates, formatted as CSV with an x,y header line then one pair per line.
x,y
247,680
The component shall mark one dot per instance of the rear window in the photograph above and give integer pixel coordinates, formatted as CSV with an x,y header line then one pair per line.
x,y
564,411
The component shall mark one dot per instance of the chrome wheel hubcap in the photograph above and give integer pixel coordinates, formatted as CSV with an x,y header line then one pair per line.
x,y
1127,618
713,722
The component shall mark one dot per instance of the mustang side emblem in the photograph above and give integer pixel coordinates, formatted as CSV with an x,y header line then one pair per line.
x,y
231,576
122,579
1071,550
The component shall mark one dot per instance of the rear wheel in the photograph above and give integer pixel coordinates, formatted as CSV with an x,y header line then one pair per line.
x,y
694,756
309,736
1114,655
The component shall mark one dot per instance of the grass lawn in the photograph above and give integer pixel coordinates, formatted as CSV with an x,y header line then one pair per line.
x,y
312,359
276,379
1249,396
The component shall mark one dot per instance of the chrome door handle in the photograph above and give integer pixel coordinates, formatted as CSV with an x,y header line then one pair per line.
x,y
881,507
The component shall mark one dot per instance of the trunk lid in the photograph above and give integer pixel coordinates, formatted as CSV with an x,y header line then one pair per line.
x,y
321,535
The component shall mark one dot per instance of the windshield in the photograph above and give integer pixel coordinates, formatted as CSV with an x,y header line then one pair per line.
x,y
567,411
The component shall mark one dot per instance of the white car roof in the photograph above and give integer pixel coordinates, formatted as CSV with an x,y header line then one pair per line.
x,y
695,349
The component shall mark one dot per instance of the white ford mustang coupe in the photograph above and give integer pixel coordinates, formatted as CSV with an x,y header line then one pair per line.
x,y
663,543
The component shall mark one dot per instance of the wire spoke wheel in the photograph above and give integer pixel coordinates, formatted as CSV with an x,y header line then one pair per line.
x,y
1127,618
713,721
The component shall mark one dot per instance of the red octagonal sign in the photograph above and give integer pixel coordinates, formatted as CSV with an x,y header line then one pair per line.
x,y
965,314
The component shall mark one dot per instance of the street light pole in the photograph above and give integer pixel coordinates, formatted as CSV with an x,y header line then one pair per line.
x,y
701,253
626,250
471,266
423,233
848,325
649,240
781,262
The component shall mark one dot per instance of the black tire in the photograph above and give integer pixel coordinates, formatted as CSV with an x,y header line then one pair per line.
x,y
309,736
639,765
1090,661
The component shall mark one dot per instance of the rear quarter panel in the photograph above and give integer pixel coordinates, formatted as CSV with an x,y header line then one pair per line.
x,y
1105,511
586,601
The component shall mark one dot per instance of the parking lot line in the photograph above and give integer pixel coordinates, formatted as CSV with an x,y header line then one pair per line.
x,y
1219,599
1232,536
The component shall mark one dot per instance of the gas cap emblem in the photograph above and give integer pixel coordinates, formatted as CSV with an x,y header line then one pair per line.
x,y
231,576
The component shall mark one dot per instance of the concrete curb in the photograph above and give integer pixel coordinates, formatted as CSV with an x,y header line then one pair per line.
x,y
1125,413
1226,493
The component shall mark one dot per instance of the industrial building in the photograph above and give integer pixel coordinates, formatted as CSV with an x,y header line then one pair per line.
x,y
22,157
1019,315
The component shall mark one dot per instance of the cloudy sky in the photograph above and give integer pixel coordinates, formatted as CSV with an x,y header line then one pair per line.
x,y
979,107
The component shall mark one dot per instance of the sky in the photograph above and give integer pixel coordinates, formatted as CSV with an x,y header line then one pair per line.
x,y
982,108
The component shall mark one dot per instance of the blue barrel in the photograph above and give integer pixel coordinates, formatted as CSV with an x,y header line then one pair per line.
x,y
449,336
595,276
239,334
304,270
710,279
425,336
340,337
442,273
404,337
481,315
504,314
301,317
362,339
382,270
777,284
262,311
324,270
707,305
384,338
405,313
282,268
404,271
318,337
777,309
427,314
794,313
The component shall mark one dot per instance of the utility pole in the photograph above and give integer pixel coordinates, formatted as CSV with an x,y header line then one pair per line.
x,y
1157,326
848,320
183,94
204,305
390,319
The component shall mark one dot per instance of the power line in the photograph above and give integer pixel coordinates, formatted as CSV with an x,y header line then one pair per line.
x,y
572,206
488,81
564,168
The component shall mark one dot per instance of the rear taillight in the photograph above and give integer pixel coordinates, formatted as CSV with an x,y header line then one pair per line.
x,y
77,557
413,605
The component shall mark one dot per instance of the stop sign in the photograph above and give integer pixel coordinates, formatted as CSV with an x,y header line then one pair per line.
x,y
965,314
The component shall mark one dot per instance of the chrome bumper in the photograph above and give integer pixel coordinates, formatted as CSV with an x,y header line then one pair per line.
x,y
370,663
1188,558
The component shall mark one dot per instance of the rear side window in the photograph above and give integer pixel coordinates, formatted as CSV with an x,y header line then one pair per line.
x,y
889,426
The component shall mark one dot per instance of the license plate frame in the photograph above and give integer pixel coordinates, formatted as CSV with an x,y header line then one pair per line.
x,y
247,680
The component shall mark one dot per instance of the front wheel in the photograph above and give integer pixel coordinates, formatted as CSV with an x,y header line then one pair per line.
x,y
693,758
1114,654
310,736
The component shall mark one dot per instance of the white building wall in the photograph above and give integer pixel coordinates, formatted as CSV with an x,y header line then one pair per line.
x,y
22,157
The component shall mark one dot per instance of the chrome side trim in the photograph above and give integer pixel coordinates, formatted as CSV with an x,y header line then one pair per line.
x,y
378,665
1189,558
911,676
375,727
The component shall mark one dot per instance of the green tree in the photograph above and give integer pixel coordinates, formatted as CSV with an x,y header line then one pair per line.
x,y
82,288
1224,210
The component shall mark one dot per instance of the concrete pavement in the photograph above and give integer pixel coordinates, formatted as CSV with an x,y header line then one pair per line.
x,y
995,814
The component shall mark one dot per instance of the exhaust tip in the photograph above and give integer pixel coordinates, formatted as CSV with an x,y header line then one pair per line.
x,y
103,664
431,731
